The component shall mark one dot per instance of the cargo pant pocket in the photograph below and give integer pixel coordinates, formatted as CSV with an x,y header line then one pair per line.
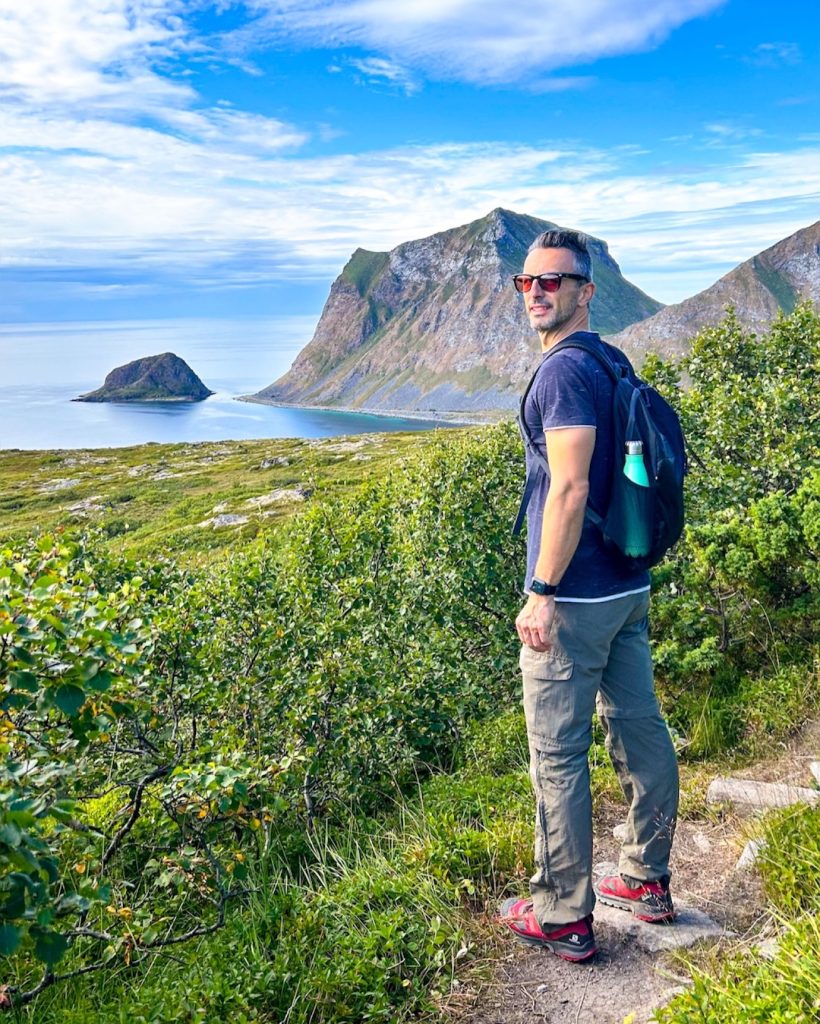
x,y
549,696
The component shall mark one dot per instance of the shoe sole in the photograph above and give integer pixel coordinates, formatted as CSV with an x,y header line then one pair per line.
x,y
530,940
541,944
637,910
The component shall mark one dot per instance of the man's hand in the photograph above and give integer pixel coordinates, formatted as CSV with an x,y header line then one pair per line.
x,y
534,622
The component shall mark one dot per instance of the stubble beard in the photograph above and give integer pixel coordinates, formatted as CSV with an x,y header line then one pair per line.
x,y
544,323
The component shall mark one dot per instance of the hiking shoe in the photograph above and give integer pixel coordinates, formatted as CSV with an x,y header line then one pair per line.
x,y
574,942
648,901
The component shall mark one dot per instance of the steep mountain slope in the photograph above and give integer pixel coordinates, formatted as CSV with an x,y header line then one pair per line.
x,y
777,278
436,324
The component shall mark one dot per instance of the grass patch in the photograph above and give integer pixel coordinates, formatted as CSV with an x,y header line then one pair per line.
x,y
750,989
152,499
790,862
363,268
778,284
784,988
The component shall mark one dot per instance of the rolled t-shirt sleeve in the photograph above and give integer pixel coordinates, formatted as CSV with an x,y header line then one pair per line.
x,y
564,394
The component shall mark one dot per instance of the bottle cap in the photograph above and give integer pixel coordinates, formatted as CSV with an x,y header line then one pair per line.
x,y
634,447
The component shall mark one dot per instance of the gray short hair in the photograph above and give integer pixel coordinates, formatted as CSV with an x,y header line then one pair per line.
x,y
564,238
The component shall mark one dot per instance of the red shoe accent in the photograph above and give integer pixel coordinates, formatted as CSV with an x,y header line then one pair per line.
x,y
574,942
648,901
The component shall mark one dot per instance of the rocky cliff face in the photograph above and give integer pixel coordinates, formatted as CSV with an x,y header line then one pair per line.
x,y
162,378
435,325
776,279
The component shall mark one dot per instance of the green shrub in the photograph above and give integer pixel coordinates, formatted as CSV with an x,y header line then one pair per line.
x,y
790,861
737,603
475,831
495,745
243,703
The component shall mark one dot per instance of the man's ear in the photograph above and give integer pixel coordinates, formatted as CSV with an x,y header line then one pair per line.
x,y
587,291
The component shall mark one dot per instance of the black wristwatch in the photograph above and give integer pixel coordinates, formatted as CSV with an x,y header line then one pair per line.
x,y
541,588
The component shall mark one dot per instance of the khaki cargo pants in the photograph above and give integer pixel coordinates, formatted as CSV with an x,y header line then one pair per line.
x,y
600,655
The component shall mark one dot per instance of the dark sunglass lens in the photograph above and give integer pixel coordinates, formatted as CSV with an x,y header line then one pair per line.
x,y
550,284
522,283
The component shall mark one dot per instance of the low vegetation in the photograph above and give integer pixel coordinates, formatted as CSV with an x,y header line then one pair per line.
x,y
275,782
778,985
160,499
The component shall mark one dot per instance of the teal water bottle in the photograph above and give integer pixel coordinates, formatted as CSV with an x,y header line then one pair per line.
x,y
638,537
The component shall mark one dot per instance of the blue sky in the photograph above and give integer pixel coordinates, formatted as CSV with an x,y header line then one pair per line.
x,y
174,158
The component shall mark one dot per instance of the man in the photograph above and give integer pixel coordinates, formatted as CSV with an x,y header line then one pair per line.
x,y
584,632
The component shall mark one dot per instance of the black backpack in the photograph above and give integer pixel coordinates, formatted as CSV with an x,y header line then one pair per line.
x,y
639,413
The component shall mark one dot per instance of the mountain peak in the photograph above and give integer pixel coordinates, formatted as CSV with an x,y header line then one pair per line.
x,y
774,280
435,324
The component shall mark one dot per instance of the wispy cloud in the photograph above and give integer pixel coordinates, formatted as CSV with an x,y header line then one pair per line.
x,y
377,69
775,55
723,132
560,83
478,41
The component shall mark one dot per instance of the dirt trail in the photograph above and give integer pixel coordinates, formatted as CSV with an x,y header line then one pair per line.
x,y
529,985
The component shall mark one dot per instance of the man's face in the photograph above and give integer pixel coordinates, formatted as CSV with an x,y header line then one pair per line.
x,y
550,310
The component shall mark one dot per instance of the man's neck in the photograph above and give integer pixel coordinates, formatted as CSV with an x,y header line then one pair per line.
x,y
575,323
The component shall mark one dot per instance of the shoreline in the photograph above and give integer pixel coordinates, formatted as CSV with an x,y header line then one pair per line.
x,y
454,419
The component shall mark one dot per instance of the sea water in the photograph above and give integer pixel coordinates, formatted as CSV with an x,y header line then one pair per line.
x,y
44,366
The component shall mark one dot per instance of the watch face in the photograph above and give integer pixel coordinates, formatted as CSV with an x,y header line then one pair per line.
x,y
541,588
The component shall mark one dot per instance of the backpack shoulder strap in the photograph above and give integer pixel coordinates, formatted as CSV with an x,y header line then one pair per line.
x,y
616,370
539,463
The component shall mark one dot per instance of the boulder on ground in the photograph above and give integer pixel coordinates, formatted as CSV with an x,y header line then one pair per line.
x,y
745,794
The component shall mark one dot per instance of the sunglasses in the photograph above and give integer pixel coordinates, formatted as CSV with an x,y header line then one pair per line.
x,y
547,282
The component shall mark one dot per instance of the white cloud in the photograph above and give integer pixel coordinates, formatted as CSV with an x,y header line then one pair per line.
x,y
233,130
221,202
560,83
93,52
111,167
721,132
478,41
376,69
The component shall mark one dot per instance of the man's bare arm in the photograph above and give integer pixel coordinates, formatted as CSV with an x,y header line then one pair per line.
x,y
569,452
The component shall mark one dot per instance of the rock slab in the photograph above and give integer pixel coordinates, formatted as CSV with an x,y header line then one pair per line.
x,y
224,520
747,795
690,926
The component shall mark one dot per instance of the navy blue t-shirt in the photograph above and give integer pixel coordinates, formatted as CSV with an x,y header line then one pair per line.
x,y
572,389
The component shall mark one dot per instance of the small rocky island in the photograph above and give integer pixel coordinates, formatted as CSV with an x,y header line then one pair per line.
x,y
162,378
